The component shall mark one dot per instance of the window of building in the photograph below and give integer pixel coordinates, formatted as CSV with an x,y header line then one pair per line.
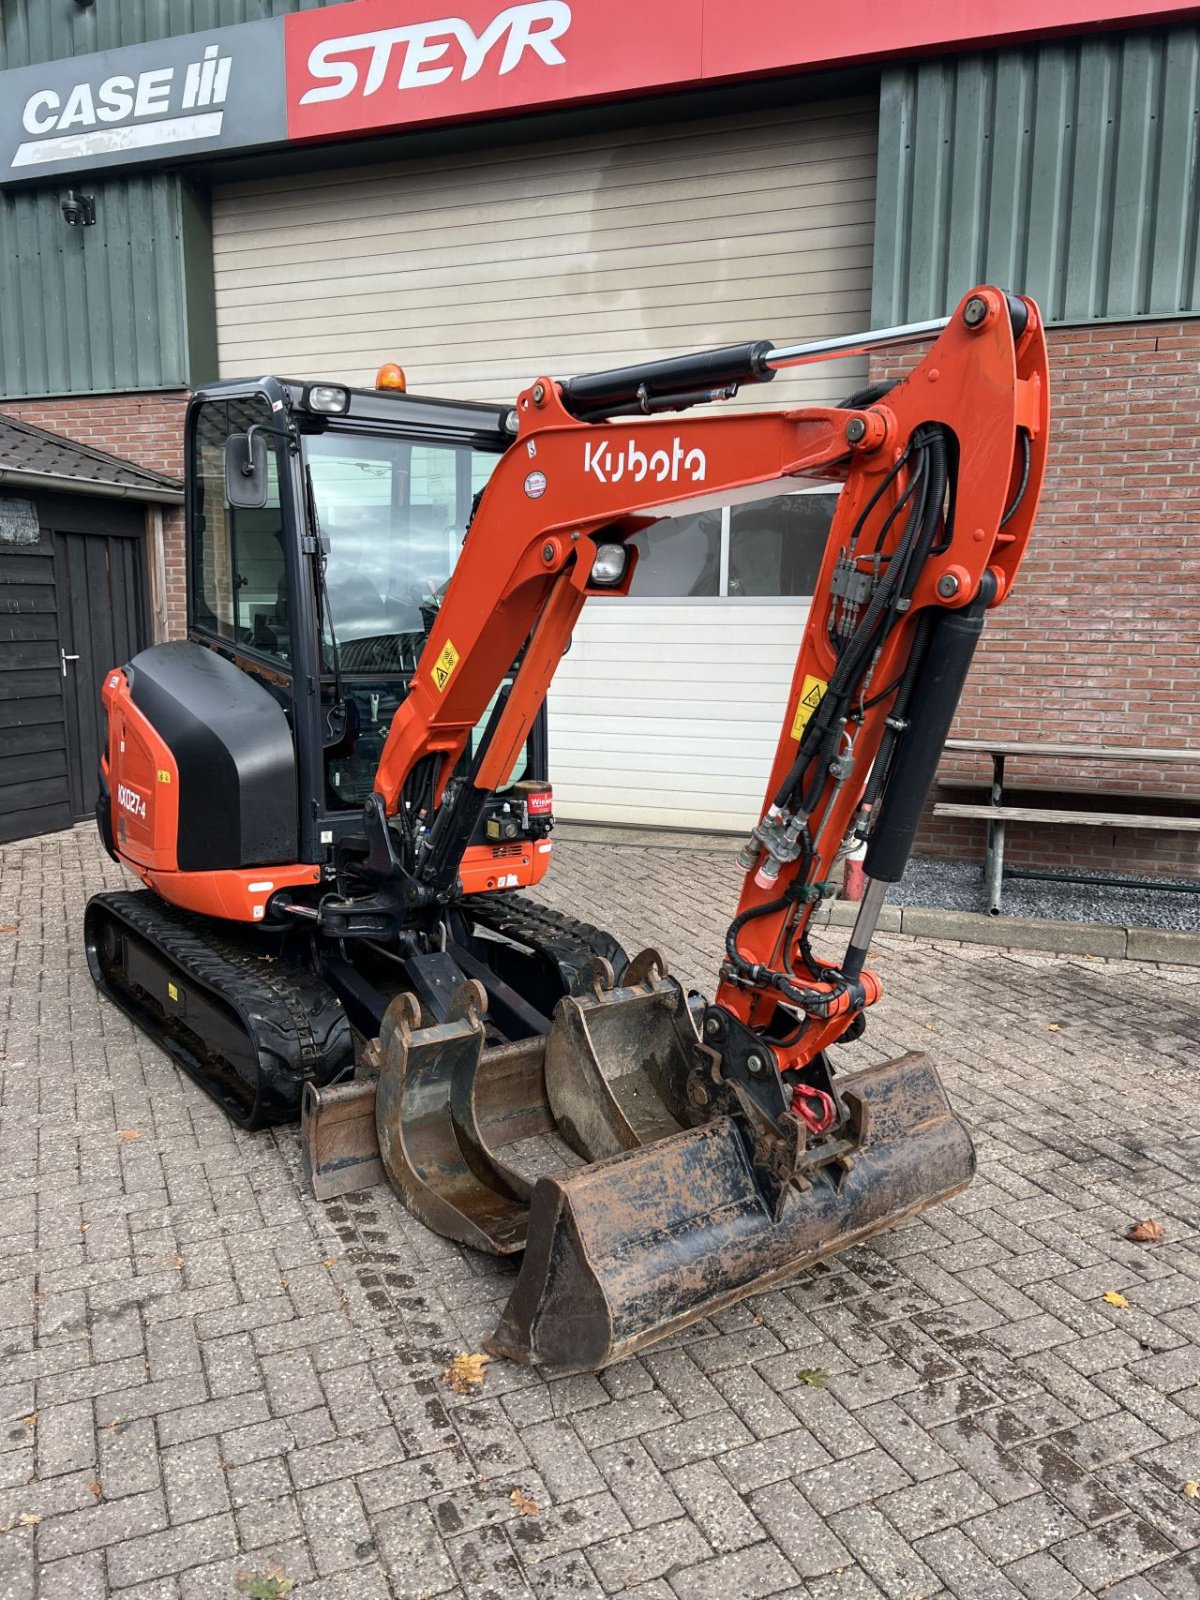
x,y
239,587
765,549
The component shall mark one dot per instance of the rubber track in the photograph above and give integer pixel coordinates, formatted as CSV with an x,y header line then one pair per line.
x,y
294,1021
570,943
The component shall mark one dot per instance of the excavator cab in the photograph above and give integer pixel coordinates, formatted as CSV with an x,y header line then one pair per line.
x,y
324,524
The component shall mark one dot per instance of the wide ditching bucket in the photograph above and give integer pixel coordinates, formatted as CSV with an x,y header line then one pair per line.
x,y
643,1200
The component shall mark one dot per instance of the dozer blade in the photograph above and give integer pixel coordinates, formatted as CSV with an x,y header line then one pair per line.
x,y
639,1245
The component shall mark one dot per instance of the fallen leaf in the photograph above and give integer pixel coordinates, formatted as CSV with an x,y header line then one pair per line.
x,y
29,1519
95,1488
814,1377
10,927
1148,1231
31,1420
84,1226
525,1506
465,1372
130,1133
1192,1489
330,1261
264,1586
1053,1027
1112,1298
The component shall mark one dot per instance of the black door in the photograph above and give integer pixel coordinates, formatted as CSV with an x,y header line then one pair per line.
x,y
100,581
35,792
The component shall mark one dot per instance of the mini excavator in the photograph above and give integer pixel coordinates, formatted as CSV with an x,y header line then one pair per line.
x,y
650,1155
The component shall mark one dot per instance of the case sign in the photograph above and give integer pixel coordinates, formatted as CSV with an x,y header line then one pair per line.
x,y
379,66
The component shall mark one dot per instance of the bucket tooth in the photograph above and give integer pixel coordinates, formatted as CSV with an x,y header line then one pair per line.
x,y
617,1060
641,1244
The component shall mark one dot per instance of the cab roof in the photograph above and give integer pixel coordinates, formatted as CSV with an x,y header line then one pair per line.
x,y
472,421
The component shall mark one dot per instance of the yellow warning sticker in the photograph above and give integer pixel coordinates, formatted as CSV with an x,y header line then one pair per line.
x,y
811,696
172,991
163,775
444,666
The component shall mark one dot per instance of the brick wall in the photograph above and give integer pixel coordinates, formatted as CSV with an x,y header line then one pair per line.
x,y
144,428
1100,640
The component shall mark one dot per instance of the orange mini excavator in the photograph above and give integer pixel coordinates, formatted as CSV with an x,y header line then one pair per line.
x,y
655,1154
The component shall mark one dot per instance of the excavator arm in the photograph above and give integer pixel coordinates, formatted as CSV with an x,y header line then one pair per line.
x,y
721,1150
941,478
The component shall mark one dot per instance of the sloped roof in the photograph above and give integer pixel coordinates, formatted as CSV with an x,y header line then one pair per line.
x,y
33,457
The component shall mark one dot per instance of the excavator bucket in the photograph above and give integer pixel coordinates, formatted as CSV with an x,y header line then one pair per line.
x,y
639,1245
596,1150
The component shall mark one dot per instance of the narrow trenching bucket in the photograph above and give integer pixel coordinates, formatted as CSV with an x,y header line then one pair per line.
x,y
639,1245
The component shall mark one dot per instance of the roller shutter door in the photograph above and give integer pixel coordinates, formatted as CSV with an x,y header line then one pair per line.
x,y
479,273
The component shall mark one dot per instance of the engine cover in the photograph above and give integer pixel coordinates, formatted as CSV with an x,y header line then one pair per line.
x,y
201,764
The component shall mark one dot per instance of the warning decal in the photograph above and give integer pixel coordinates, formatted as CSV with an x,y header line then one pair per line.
x,y
444,666
811,696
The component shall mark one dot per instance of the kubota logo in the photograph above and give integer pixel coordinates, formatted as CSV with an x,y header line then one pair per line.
x,y
424,47
130,800
663,467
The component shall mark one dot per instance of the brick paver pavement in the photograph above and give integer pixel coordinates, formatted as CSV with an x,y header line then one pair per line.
x,y
206,1375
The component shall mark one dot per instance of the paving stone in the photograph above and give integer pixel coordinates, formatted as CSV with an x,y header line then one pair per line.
x,y
98,1526
338,1533
1022,1528
78,1577
173,1550
195,1480
414,1557
66,1439
883,1554
191,1356
936,1503
636,1557
487,1567
639,1487
560,1529
1040,1577
751,1573
719,1512
696,1439
964,1568
802,1535
1115,1550
560,1458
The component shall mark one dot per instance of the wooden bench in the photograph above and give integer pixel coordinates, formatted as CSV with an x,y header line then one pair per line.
x,y
997,814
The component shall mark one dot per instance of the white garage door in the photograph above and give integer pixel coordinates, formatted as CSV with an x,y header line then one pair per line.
x,y
477,274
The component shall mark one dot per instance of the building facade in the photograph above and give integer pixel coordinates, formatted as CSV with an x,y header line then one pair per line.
x,y
550,187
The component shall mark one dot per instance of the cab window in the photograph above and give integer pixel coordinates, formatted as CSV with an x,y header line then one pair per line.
x,y
238,579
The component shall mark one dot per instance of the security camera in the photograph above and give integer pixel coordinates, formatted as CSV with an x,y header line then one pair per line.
x,y
79,210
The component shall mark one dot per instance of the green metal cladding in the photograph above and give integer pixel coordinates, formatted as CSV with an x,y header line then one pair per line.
x,y
110,307
46,30
1068,171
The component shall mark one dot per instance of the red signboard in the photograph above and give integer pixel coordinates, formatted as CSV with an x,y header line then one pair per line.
x,y
398,63
385,64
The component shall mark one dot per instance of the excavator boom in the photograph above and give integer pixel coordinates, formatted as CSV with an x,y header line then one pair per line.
x,y
658,1155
